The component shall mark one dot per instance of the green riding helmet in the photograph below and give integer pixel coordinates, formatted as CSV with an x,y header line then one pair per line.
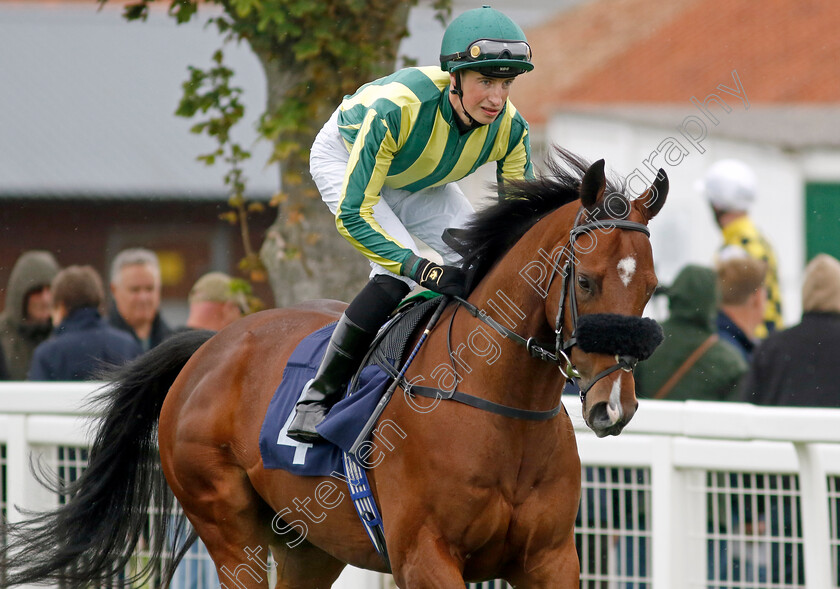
x,y
486,40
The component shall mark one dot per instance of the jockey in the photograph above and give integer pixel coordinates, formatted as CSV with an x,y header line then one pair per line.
x,y
386,164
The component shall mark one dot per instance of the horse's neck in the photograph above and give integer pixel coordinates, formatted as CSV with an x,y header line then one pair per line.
x,y
520,278
512,294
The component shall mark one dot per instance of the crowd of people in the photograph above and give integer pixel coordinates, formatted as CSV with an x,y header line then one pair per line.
x,y
56,325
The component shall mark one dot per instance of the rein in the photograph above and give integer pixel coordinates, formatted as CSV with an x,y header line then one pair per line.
x,y
483,404
561,354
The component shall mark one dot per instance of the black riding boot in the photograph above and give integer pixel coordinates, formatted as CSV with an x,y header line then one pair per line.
x,y
348,345
353,335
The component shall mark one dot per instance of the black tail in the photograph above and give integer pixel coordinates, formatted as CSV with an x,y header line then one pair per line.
x,y
90,539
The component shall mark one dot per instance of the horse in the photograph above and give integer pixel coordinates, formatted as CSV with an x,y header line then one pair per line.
x,y
561,269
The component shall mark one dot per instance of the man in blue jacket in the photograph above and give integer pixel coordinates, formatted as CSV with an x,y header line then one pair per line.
x,y
82,342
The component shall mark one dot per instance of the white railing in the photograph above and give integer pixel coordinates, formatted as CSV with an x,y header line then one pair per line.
x,y
691,495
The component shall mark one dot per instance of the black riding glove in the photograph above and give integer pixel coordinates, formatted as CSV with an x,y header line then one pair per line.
x,y
446,280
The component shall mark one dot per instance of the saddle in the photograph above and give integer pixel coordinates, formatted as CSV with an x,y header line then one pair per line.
x,y
389,346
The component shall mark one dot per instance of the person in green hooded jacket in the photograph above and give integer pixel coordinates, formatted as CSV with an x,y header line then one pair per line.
x,y
692,363
25,320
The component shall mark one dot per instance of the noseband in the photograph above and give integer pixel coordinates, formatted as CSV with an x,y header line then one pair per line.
x,y
562,346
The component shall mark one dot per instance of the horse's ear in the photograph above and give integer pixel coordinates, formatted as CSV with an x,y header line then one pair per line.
x,y
651,201
593,185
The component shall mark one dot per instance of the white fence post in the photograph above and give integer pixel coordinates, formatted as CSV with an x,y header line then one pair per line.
x,y
666,514
353,578
814,504
24,491
17,466
687,533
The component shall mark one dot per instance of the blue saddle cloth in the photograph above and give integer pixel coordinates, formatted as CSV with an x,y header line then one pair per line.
x,y
343,424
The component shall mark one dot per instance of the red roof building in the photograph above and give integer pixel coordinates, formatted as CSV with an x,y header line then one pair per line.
x,y
636,52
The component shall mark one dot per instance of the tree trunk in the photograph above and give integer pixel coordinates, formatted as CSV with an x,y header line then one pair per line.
x,y
303,252
329,268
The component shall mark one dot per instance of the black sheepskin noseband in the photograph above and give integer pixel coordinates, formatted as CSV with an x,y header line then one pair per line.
x,y
619,335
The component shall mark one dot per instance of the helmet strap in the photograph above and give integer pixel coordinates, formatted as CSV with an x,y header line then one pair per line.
x,y
460,93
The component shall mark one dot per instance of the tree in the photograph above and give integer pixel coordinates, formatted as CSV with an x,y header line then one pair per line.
x,y
313,53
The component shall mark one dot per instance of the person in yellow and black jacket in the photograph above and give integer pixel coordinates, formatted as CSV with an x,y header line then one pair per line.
x,y
387,163
730,188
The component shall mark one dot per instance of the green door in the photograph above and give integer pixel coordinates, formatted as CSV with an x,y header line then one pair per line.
x,y
822,219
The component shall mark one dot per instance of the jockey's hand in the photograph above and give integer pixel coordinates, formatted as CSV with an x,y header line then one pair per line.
x,y
446,280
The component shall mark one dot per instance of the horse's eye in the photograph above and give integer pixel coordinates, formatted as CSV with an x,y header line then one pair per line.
x,y
584,283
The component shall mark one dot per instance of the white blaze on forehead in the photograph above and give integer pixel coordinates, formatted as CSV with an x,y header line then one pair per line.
x,y
626,269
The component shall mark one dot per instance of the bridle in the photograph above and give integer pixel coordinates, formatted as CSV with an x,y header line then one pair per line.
x,y
560,355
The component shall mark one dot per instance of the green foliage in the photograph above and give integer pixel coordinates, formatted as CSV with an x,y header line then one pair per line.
x,y
329,47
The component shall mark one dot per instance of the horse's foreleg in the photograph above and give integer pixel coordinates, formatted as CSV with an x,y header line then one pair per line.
x,y
556,568
305,567
424,561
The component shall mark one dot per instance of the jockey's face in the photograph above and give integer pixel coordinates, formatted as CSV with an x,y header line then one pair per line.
x,y
484,97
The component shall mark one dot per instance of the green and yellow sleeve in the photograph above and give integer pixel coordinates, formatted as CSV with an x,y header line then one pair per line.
x,y
367,168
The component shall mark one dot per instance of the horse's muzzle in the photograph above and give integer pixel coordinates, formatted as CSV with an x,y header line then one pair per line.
x,y
606,419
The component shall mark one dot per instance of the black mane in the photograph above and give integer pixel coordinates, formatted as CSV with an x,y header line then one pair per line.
x,y
494,230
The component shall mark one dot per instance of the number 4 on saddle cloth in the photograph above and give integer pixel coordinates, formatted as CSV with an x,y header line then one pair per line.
x,y
348,417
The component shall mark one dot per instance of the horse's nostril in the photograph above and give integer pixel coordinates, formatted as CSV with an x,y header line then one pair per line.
x,y
598,415
614,412
606,419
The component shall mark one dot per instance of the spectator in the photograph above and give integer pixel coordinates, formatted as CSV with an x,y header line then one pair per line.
x,y
692,362
798,366
743,299
215,302
135,286
695,363
83,343
25,321
730,188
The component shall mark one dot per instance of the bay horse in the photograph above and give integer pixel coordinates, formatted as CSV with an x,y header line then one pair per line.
x,y
465,494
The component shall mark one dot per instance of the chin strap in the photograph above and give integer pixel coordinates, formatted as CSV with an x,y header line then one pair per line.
x,y
460,94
